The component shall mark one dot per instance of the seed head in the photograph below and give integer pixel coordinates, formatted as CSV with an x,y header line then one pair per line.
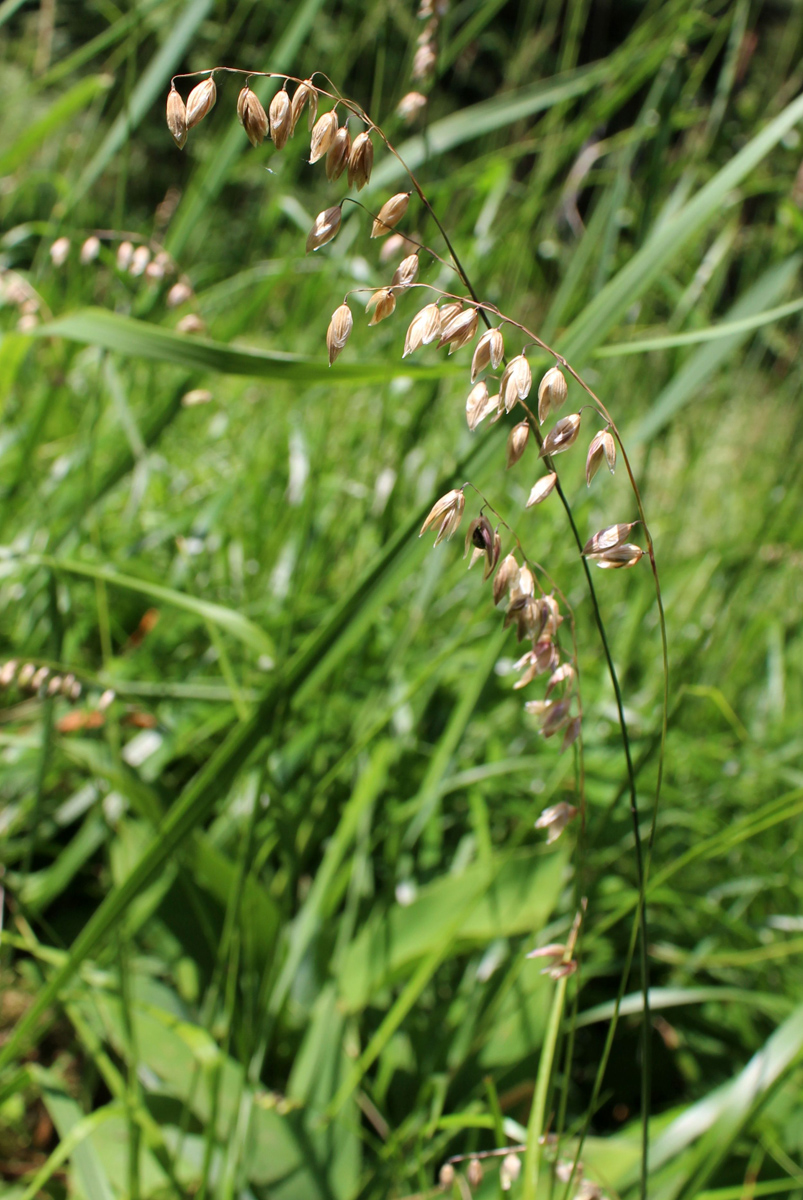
x,y
562,674
383,303
448,312
490,349
326,226
195,397
139,261
406,273
280,119
478,404
253,117
306,92
552,391
90,250
338,332
626,555
555,819
602,447
26,674
200,101
541,489
509,1171
607,539
323,134
447,511
562,436
7,672
486,543
424,328
179,294
517,379
361,160
459,330
191,323
176,117
446,1175
410,106
390,214
572,733
517,441
508,571
59,251
125,252
474,1173
337,155
39,678
424,61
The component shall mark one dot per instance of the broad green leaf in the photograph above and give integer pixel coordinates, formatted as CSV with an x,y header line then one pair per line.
x,y
139,339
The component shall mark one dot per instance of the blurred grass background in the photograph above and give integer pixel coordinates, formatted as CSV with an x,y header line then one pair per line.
x,y
311,982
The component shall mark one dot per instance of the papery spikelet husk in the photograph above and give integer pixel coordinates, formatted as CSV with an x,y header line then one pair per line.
x,y
509,1171
476,403
626,555
199,102
179,294
572,733
459,330
552,392
191,323
562,674
7,672
492,557
552,618
26,674
524,584
508,571
280,119
323,134
517,442
447,312
253,117
557,717
424,328
608,538
562,436
541,489
305,93
446,513
480,535
326,226
411,105
474,1173
424,61
390,214
396,245
490,349
556,818
517,379
406,273
177,117
338,332
383,303
90,250
338,154
602,447
125,252
139,261
361,160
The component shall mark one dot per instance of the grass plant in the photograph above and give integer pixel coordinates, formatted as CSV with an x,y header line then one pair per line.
x,y
270,870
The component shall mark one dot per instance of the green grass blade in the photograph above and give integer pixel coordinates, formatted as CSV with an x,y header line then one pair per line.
x,y
46,127
139,339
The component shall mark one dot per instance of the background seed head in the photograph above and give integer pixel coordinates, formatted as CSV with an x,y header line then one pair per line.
x,y
200,101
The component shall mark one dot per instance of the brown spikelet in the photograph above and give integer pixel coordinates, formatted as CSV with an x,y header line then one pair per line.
x,y
424,328
326,226
608,538
626,555
253,117
459,330
562,436
517,379
390,214
477,404
406,273
176,117
338,154
446,513
305,93
542,489
323,134
602,447
361,160
552,391
507,573
490,350
517,442
200,100
338,332
383,303
280,119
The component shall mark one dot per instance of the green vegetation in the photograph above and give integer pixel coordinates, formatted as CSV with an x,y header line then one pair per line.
x,y
267,907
